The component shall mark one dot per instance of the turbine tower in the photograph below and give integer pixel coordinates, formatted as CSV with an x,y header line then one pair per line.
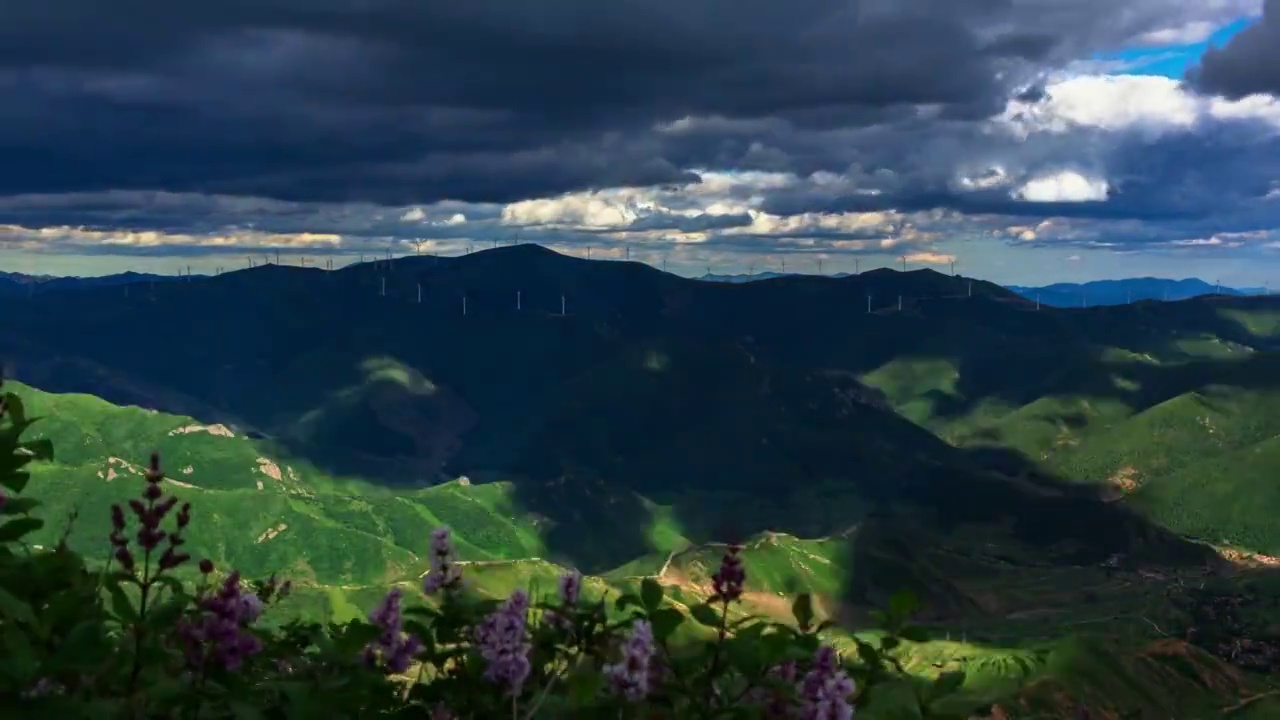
x,y
904,263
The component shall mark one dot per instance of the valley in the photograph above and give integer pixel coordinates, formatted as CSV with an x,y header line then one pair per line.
x,y
1051,484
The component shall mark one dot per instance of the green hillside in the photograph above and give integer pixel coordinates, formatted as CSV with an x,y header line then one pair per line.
x,y
987,457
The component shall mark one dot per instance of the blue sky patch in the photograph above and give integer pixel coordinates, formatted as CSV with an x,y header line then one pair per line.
x,y
1171,60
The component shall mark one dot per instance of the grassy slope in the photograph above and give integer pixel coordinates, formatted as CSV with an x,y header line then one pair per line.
x,y
255,510
346,541
1159,424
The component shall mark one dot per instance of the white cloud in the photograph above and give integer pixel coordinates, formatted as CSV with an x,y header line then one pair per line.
x,y
1188,34
1151,104
35,238
931,258
1065,186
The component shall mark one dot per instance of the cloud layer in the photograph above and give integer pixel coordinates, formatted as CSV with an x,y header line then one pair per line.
x,y
707,128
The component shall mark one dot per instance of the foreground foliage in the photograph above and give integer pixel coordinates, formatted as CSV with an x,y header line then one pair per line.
x,y
140,634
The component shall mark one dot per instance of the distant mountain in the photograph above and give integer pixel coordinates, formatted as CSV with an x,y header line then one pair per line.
x,y
745,278
1119,292
11,281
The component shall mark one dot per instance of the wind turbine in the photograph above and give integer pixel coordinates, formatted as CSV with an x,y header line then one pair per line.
x,y
904,263
819,266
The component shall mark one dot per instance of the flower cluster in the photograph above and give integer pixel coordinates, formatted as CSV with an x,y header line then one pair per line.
x,y
727,582
150,511
630,676
395,647
219,636
569,589
504,645
826,688
444,573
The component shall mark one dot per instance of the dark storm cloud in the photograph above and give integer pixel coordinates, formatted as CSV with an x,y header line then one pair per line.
x,y
1248,63
399,101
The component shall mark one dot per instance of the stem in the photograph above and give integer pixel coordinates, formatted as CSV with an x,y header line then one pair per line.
x,y
722,631
546,690
144,590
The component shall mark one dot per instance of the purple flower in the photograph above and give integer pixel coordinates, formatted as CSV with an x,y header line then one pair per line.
x,y
570,587
727,582
396,648
150,511
629,677
444,573
826,688
504,645
218,635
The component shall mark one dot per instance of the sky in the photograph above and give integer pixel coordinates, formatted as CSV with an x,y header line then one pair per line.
x,y
1029,141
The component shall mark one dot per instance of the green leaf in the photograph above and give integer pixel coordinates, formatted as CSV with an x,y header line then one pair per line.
x,y
41,449
84,646
13,479
19,658
121,605
625,601
651,593
19,506
947,683
868,654
15,410
14,609
706,615
802,610
665,622
167,612
914,633
583,687
18,527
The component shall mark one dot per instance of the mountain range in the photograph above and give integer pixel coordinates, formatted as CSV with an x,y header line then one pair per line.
x,y
1022,469
1119,292
1096,292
